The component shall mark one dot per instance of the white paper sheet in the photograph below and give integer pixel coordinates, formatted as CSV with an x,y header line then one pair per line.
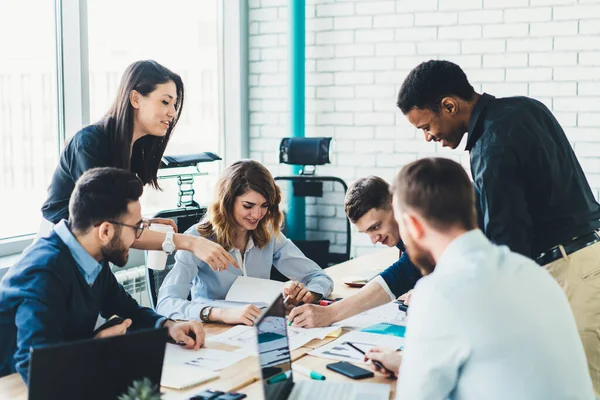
x,y
236,304
245,337
254,290
178,376
210,359
339,350
385,313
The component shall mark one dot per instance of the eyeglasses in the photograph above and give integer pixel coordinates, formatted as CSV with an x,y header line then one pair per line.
x,y
139,229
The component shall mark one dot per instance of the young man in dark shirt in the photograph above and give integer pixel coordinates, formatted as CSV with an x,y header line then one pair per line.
x,y
533,193
368,205
63,282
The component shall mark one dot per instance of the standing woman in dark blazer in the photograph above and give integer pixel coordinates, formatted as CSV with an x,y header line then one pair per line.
x,y
132,135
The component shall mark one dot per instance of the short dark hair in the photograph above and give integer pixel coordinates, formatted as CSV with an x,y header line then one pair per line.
x,y
440,190
102,194
365,194
429,82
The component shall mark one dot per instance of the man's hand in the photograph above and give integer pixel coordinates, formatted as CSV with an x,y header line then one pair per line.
x,y
406,297
245,315
211,253
389,358
116,330
190,332
298,292
311,316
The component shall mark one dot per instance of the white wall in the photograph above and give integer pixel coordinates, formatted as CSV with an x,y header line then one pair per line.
x,y
359,52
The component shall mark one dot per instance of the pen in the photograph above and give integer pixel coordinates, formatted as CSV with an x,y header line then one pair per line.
x,y
286,300
308,372
377,363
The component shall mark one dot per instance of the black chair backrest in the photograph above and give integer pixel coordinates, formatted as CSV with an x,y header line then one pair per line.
x,y
184,218
328,242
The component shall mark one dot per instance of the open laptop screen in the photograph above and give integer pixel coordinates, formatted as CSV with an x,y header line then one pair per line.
x,y
274,352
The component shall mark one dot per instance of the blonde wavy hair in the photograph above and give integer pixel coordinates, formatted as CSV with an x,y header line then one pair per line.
x,y
236,180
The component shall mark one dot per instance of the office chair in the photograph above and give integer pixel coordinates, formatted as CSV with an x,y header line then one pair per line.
x,y
319,246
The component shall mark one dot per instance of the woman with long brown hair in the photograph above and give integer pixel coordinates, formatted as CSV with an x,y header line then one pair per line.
x,y
245,219
133,136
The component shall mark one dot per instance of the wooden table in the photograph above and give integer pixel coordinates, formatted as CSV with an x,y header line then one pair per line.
x,y
244,376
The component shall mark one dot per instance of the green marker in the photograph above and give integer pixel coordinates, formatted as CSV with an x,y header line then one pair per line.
x,y
277,378
308,372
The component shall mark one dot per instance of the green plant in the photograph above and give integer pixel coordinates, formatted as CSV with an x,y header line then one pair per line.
x,y
142,389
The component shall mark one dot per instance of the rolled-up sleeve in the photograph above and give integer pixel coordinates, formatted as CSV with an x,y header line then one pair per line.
x,y
291,262
173,294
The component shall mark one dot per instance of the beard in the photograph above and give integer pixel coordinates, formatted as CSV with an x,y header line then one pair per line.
x,y
422,258
116,252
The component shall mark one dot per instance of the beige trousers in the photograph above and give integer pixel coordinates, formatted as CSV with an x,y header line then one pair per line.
x,y
579,275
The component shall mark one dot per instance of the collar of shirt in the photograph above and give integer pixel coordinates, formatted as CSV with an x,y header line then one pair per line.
x,y
87,265
400,246
238,254
463,245
476,115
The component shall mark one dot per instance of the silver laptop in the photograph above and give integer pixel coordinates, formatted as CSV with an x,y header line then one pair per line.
x,y
276,367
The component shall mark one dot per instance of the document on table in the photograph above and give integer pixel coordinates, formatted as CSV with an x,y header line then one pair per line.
x,y
254,290
339,350
386,313
177,376
210,359
245,337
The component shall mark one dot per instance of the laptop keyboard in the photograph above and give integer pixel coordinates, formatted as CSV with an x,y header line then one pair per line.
x,y
327,390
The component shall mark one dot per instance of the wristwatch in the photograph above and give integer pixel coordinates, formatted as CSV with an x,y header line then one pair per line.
x,y
205,313
168,245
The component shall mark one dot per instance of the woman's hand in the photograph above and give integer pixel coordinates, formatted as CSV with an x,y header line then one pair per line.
x,y
245,315
298,292
208,251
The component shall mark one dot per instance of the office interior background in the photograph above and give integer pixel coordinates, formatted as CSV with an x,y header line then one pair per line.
x,y
61,62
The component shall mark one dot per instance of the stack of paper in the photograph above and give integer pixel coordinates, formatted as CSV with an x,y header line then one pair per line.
x,y
254,290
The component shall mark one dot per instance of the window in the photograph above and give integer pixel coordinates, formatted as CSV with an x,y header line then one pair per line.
x,y
29,139
182,35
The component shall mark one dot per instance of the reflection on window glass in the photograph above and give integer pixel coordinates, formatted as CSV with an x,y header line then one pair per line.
x,y
28,112
181,35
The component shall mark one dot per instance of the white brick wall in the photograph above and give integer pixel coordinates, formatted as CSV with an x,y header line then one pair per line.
x,y
359,51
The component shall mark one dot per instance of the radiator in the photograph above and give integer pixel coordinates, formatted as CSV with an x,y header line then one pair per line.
x,y
134,282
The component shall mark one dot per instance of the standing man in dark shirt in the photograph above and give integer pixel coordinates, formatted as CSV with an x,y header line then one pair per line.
x,y
368,206
533,194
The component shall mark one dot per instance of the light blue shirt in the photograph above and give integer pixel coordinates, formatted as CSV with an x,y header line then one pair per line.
x,y
87,265
206,285
491,324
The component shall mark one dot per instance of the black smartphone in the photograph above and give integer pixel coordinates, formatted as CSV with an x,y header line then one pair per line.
x,y
207,395
231,396
350,370
116,320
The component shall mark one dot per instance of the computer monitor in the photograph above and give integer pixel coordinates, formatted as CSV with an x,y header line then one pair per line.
x,y
274,352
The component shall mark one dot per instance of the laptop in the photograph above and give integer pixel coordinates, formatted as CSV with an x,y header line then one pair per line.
x,y
96,368
276,366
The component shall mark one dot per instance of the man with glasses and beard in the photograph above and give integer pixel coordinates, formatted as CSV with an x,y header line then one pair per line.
x,y
484,322
61,284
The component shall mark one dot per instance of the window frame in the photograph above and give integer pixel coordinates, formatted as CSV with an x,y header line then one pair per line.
x,y
73,100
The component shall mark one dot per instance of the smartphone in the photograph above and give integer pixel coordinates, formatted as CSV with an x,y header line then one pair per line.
x,y
207,395
231,396
350,370
377,363
116,320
